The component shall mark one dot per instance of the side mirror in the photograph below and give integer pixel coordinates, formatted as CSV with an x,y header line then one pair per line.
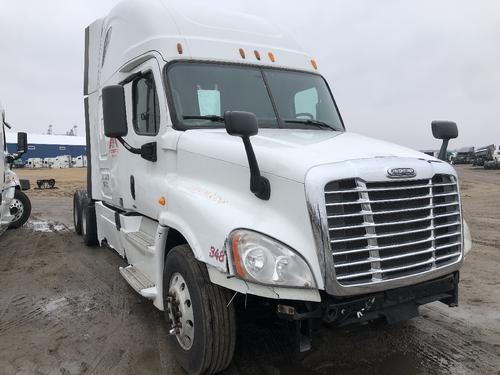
x,y
22,143
444,130
241,124
114,111
245,125
148,151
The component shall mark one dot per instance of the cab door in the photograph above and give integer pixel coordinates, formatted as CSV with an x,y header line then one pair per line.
x,y
142,182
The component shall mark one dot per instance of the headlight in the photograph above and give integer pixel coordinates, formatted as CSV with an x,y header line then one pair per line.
x,y
261,259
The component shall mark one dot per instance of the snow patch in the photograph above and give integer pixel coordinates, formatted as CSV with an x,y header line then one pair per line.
x,y
46,226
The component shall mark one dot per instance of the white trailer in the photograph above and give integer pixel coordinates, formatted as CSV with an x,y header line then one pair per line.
x,y
15,206
79,161
220,169
35,163
62,161
48,162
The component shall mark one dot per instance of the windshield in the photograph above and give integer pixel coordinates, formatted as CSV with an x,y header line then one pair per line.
x,y
202,92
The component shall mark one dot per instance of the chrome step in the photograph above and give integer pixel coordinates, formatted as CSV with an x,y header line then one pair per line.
x,y
138,281
142,239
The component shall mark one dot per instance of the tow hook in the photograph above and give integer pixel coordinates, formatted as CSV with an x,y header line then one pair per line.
x,y
368,306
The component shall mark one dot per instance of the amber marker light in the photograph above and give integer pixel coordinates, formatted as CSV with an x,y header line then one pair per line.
x,y
180,49
242,53
257,54
271,57
314,64
162,201
236,256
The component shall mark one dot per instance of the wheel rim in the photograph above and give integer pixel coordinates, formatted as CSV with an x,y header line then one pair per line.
x,y
16,209
180,311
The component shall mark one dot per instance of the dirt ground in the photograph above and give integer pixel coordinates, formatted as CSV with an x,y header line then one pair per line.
x,y
65,309
67,180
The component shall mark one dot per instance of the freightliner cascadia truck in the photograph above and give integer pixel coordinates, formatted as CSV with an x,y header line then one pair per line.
x,y
220,169
15,206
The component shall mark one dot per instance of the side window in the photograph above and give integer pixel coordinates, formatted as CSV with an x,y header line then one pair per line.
x,y
146,110
306,103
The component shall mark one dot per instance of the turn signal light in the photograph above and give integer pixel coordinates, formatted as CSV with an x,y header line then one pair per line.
x,y
162,201
236,256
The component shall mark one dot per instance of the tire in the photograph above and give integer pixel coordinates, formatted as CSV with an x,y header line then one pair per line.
x,y
89,223
77,210
214,324
20,208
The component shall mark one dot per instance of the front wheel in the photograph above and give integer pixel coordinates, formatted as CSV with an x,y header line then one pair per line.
x,y
20,208
202,324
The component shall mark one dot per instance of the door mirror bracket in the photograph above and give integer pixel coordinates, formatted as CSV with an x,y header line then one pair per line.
x,y
245,125
115,121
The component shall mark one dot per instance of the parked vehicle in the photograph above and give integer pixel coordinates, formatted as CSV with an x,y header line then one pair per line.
x,y
79,161
15,206
35,163
494,163
48,162
220,169
483,155
464,155
62,161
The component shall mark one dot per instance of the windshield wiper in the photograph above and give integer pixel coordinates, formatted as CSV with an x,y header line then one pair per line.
x,y
213,118
319,124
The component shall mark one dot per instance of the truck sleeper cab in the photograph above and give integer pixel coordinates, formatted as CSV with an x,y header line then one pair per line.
x,y
219,168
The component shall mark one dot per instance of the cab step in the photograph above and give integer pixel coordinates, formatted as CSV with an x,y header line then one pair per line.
x,y
139,282
142,239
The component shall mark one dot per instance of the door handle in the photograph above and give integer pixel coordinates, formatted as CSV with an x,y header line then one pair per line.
x,y
132,186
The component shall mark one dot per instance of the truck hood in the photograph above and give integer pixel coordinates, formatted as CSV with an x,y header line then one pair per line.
x,y
291,153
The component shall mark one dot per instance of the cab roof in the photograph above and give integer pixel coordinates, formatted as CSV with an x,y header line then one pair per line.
x,y
182,30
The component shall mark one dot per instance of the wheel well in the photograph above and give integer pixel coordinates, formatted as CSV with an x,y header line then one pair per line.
x,y
174,238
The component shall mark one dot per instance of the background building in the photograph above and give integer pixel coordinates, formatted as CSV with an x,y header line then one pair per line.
x,y
49,146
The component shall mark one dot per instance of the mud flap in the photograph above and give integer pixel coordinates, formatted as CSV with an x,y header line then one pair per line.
x,y
400,313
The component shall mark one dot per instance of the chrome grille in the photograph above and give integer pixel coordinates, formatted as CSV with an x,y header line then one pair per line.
x,y
387,230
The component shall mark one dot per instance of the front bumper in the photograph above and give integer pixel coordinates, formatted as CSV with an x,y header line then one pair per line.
x,y
394,305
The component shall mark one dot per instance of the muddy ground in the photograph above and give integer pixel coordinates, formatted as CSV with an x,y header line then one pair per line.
x,y
65,309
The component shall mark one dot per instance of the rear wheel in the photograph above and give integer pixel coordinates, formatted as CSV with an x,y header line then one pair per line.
x,y
202,324
77,210
89,224
20,208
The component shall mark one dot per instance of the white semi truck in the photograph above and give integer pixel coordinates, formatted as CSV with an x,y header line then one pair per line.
x,y
15,206
220,169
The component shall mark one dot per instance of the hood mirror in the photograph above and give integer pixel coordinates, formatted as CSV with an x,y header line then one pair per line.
x,y
245,125
444,130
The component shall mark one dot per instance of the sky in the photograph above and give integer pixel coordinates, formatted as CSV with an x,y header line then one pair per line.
x,y
393,65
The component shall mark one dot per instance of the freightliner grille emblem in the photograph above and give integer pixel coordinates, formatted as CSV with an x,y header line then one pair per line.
x,y
401,173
